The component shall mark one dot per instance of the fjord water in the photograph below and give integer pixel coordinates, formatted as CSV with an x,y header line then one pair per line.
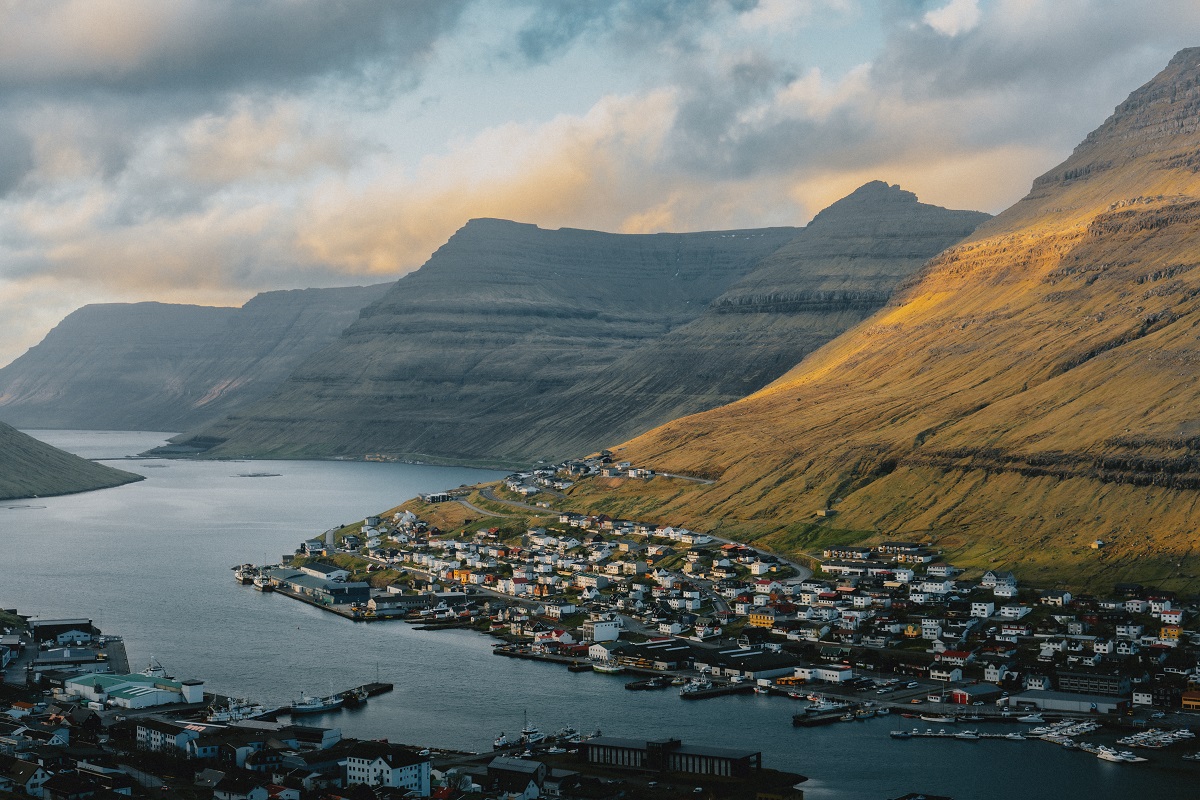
x,y
151,561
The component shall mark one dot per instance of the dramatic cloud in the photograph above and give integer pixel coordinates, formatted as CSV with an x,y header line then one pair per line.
x,y
207,149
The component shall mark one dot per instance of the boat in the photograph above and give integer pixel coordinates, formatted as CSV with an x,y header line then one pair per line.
x,y
155,669
678,680
883,712
608,668
354,698
1015,737
244,573
864,713
761,690
262,583
236,710
567,733
314,705
1034,718
967,735
530,735
501,742
900,735
938,718
695,685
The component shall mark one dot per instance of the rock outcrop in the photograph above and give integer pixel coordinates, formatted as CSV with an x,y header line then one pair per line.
x,y
157,366
513,343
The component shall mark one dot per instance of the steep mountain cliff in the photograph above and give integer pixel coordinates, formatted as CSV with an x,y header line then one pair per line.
x,y
154,366
29,468
1033,389
515,343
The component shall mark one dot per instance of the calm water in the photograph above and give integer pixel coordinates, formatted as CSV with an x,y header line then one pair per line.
x,y
151,561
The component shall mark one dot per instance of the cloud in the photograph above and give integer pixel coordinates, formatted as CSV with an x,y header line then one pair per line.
x,y
957,16
144,45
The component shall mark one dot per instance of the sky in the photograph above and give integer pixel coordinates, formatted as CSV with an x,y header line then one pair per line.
x,y
201,151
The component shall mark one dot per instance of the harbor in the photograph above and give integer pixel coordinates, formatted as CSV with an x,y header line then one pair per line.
x,y
451,692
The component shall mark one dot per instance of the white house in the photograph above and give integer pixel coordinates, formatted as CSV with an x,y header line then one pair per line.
x,y
383,764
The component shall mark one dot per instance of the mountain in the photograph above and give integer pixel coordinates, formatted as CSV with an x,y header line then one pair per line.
x,y
29,468
154,366
1032,390
514,343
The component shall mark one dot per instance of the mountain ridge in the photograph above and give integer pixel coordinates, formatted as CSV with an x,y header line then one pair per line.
x,y
164,366
609,334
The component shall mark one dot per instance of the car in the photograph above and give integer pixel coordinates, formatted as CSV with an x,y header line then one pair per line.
x,y
912,685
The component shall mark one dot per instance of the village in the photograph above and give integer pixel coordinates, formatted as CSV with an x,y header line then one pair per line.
x,y
617,595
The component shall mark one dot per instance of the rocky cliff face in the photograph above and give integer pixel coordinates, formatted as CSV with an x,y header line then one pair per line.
x,y
1031,390
29,468
515,343
154,366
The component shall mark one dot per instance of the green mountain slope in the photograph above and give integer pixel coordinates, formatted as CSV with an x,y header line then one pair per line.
x,y
1033,389
29,468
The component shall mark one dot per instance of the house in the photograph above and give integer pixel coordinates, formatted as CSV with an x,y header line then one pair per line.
x,y
384,764
945,673
516,777
1056,597
982,610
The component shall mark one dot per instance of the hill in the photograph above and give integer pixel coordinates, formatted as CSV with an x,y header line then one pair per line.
x,y
157,366
29,468
514,343
1033,389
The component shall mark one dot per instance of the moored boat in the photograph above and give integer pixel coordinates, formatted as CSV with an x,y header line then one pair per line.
x,y
314,705
608,668
234,711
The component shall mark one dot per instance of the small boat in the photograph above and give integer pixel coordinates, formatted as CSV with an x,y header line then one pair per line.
x,y
883,712
1034,718
900,735
864,713
314,705
967,735
567,733
1192,757
678,680
938,718
1016,737
761,690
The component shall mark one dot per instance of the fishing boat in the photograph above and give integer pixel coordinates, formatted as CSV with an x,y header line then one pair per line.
x,y
155,669
234,711
530,735
262,583
501,742
315,705
883,711
354,698
608,668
